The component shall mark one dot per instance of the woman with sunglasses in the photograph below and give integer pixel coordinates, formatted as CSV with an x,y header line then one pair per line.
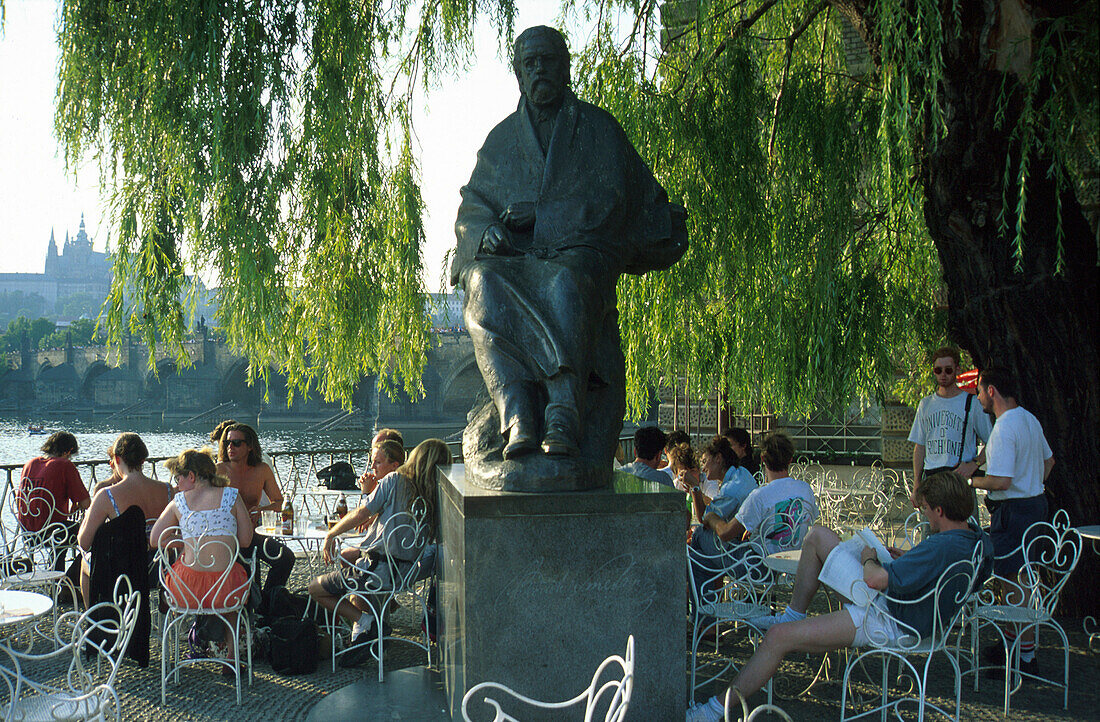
x,y
240,461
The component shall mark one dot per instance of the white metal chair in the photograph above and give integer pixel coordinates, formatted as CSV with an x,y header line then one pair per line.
x,y
787,525
224,600
1050,554
746,715
948,598
103,631
730,586
614,692
395,571
28,553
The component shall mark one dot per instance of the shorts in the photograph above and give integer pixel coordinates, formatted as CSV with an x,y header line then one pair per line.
x,y
874,626
370,575
1009,521
192,588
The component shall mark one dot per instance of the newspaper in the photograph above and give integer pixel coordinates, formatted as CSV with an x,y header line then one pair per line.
x,y
843,571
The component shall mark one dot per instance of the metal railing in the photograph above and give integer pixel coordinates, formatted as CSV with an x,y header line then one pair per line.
x,y
294,470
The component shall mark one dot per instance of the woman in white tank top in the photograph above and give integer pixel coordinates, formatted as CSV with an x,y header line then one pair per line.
x,y
206,509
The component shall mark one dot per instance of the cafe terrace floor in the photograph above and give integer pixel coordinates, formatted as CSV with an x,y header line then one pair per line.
x,y
203,694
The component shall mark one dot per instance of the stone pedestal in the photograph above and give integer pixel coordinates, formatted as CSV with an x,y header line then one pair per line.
x,y
537,589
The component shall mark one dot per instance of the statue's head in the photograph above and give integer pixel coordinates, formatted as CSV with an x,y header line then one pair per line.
x,y
540,59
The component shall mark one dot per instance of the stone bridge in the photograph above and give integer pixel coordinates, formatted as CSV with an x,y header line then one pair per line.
x,y
102,380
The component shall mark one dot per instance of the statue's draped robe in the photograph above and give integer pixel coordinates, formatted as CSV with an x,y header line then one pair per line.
x,y
599,212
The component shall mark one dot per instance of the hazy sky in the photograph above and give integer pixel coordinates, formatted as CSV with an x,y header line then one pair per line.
x,y
36,193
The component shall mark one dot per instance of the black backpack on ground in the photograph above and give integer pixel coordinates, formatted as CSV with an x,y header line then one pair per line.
x,y
292,646
338,477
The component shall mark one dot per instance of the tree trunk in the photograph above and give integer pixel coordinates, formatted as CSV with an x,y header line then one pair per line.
x,y
1039,324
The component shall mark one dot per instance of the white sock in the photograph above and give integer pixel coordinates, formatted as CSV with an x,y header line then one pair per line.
x,y
791,615
716,707
358,627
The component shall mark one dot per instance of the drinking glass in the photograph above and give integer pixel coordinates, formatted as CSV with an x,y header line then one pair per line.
x,y
269,521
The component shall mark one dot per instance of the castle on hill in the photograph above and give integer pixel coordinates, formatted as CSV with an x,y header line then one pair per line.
x,y
76,269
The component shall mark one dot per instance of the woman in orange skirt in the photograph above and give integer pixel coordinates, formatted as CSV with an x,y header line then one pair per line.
x,y
213,523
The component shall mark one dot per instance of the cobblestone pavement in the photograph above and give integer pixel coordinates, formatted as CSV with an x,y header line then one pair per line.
x,y
203,694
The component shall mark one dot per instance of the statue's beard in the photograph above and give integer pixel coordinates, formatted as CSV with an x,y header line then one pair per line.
x,y
543,92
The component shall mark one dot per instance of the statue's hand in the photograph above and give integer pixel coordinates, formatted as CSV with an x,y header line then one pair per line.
x,y
519,216
495,241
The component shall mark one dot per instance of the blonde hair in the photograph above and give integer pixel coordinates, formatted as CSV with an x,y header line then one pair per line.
x,y
419,472
197,462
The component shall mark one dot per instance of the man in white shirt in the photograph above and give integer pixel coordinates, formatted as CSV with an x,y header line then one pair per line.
x,y
1019,461
781,510
649,443
947,425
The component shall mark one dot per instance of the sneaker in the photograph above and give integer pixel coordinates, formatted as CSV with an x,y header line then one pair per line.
x,y
701,712
358,652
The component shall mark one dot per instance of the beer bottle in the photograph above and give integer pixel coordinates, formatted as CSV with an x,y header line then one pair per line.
x,y
342,506
288,516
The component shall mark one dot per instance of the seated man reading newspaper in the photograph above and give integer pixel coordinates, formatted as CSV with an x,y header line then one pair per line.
x,y
946,503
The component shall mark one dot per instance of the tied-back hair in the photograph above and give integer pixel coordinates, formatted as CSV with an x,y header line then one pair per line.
x,y
131,449
419,472
59,444
682,456
255,457
200,462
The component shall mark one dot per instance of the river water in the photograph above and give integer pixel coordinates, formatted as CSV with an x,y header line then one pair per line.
x,y
18,446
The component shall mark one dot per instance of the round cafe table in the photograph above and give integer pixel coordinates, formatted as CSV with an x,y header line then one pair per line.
x,y
309,533
18,606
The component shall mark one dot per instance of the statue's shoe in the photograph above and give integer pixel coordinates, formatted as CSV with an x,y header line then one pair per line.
x,y
558,443
520,443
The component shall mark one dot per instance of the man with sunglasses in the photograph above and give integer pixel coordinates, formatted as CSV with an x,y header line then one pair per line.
x,y
947,425
240,460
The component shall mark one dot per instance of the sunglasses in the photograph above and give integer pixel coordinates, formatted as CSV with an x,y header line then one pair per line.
x,y
943,370
234,442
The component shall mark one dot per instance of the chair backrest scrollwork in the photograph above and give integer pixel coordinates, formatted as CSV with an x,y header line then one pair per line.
x,y
736,573
209,555
947,601
404,541
786,526
614,692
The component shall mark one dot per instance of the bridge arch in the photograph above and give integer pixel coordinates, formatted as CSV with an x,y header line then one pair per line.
x,y
56,385
233,387
461,386
91,375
